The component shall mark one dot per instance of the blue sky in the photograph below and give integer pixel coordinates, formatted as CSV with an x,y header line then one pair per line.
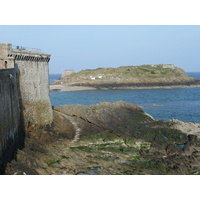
x,y
92,46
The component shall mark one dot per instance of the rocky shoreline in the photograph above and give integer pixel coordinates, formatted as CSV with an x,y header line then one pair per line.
x,y
109,138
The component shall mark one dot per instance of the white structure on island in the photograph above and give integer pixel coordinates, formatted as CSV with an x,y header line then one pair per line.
x,y
164,66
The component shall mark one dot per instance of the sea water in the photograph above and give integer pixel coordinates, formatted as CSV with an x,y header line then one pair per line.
x,y
163,104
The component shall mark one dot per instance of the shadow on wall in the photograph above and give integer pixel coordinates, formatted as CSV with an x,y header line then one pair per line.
x,y
12,134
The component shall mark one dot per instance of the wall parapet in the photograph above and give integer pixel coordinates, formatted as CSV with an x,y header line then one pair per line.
x,y
30,58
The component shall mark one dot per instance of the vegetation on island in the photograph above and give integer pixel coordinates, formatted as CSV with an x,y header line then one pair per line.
x,y
129,76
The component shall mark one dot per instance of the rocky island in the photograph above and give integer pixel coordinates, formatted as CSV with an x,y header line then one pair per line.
x,y
126,77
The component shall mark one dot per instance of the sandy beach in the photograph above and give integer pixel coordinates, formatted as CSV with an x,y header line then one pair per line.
x,y
62,88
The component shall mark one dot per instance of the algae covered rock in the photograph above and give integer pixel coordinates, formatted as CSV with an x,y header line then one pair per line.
x,y
108,138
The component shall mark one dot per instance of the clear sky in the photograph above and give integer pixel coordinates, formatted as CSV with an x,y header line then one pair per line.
x,y
92,46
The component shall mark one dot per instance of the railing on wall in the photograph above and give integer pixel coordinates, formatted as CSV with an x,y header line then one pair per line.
x,y
26,48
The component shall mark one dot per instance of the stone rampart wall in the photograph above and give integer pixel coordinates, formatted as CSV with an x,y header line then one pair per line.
x,y
24,97
10,116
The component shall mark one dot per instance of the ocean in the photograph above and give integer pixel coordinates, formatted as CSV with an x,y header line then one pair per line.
x,y
163,104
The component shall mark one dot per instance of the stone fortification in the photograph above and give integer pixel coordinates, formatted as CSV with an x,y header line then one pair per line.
x,y
6,62
33,82
11,130
24,96
34,87
67,73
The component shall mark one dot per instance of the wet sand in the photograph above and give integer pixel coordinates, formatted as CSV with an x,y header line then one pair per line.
x,y
62,88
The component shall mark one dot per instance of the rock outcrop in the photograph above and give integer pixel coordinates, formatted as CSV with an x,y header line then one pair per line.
x,y
188,128
99,118
108,138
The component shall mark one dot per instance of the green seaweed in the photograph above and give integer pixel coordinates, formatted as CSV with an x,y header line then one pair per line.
x,y
93,137
82,148
52,162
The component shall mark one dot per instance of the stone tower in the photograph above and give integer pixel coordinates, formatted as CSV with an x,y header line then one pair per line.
x,y
6,62
33,82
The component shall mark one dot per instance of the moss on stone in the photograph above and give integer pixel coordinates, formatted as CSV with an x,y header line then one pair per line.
x,y
39,113
108,136
52,162
82,148
94,137
130,141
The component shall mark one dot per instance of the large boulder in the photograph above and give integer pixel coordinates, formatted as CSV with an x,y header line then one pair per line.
x,y
118,117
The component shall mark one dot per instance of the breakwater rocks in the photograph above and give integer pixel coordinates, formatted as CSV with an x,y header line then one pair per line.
x,y
127,77
109,138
